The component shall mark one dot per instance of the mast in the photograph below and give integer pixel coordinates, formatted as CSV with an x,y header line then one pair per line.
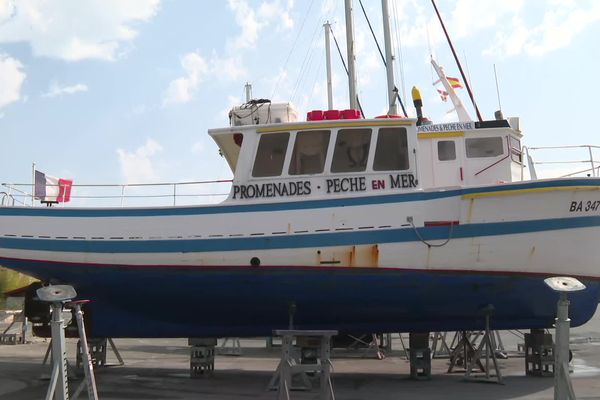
x,y
389,59
351,55
327,27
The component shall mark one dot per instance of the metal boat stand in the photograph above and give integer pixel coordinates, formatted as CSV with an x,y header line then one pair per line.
x,y
233,349
98,348
563,388
58,389
292,363
487,347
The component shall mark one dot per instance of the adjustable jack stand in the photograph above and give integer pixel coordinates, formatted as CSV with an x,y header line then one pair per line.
x,y
486,347
58,388
563,388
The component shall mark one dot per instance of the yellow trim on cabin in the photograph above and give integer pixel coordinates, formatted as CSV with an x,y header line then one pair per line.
x,y
437,135
337,124
524,191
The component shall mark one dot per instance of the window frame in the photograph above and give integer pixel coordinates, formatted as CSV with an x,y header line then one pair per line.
x,y
282,172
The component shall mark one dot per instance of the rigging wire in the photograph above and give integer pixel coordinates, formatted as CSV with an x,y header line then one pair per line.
x,y
276,87
400,63
307,62
462,73
381,54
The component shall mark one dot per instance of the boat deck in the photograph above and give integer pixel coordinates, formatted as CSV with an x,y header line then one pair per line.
x,y
159,369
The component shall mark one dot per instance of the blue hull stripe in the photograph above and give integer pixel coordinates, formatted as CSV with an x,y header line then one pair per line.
x,y
285,206
298,240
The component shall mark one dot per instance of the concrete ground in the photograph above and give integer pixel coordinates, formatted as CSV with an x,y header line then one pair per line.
x,y
159,369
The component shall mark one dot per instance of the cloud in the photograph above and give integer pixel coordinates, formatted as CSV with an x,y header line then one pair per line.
x,y
181,90
197,70
74,30
11,79
562,21
56,90
139,166
252,21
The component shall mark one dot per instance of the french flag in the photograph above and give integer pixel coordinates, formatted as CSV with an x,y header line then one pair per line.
x,y
49,189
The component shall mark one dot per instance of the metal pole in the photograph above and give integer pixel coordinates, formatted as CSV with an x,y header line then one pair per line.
x,y
248,92
32,184
351,55
327,27
389,59
85,356
563,389
592,161
58,384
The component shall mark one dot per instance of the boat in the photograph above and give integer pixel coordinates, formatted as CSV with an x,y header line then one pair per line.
x,y
337,222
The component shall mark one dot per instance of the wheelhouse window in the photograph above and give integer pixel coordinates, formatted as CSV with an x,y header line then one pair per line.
x,y
391,153
310,150
515,150
446,150
271,154
484,147
351,150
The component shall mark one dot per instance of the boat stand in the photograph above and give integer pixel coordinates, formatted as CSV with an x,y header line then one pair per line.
x,y
314,358
98,348
58,388
234,349
487,347
462,354
563,388
419,356
202,356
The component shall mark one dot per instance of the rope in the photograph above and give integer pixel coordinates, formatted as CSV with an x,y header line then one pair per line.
x,y
432,244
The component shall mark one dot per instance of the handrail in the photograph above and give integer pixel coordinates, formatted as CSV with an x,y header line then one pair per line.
x,y
15,191
593,170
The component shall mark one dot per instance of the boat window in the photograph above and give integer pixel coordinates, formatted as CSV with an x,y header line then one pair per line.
x,y
446,150
310,150
270,154
351,150
391,152
515,150
484,147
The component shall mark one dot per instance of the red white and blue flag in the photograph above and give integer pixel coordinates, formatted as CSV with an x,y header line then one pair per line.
x,y
49,189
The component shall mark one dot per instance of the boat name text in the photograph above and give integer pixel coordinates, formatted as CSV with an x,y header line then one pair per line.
x,y
450,127
299,188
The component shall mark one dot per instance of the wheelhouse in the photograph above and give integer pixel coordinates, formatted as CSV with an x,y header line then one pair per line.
x,y
320,159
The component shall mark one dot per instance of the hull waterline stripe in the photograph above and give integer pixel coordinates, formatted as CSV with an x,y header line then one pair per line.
x,y
316,240
418,195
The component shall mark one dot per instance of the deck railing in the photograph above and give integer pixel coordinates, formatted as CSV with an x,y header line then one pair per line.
x,y
164,193
562,161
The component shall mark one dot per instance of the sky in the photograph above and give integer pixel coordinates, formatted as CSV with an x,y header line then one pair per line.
x,y
113,91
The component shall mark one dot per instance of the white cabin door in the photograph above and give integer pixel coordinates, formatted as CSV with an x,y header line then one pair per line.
x,y
447,162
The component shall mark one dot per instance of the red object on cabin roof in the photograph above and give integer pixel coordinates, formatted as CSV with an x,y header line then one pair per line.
x,y
351,114
315,115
